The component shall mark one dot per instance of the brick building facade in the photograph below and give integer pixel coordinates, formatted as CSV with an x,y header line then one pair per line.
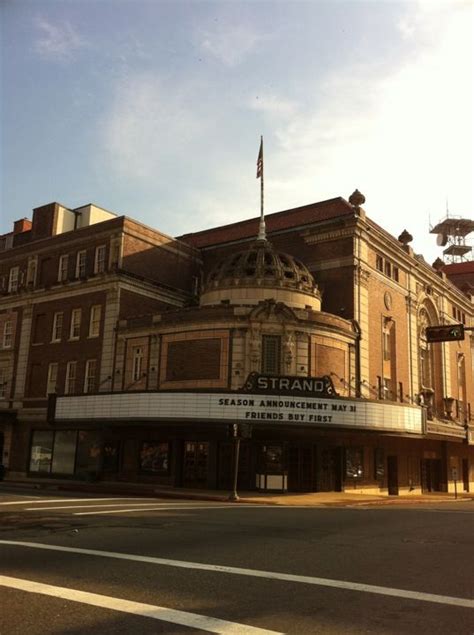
x,y
155,347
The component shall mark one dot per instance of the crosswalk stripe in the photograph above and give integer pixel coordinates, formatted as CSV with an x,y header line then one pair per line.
x,y
193,620
256,573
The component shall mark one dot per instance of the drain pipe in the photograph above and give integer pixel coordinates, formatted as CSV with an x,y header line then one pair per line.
x,y
358,332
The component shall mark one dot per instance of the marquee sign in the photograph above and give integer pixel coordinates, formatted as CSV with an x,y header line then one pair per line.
x,y
290,385
254,408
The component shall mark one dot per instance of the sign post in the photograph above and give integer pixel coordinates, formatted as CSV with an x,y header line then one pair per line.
x,y
234,430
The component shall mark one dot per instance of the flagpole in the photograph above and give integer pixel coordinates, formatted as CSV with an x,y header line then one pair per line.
x,y
261,230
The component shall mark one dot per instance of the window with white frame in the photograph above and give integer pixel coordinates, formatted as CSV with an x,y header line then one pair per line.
x,y
71,374
52,378
94,322
99,262
63,267
57,327
31,272
75,329
8,334
90,375
81,264
13,279
137,363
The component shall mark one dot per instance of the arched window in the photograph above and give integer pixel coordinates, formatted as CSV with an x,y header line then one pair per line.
x,y
426,354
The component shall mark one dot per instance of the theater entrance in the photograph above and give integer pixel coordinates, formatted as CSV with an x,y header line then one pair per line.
x,y
195,459
431,475
301,469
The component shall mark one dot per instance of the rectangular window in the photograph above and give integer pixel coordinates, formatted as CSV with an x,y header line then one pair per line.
x,y
31,272
3,383
75,329
354,463
387,344
51,385
387,389
13,279
271,354
41,451
379,262
400,392
71,374
8,334
64,451
94,322
89,453
63,267
57,327
395,274
99,262
81,264
90,375
137,363
154,457
379,464
388,269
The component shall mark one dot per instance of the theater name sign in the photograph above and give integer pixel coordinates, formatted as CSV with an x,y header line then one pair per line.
x,y
263,401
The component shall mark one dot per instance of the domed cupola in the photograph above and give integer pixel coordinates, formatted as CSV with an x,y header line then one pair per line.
x,y
260,273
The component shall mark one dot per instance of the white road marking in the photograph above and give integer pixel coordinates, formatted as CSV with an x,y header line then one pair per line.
x,y
72,500
193,620
159,508
72,506
256,573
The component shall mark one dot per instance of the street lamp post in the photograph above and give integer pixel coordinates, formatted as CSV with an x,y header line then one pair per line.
x,y
234,496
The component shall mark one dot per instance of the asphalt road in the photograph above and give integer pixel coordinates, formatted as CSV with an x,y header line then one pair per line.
x,y
84,564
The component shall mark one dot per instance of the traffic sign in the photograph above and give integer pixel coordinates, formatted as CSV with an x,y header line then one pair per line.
x,y
445,333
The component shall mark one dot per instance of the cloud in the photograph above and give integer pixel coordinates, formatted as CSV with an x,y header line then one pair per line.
x,y
57,41
230,44
149,126
403,137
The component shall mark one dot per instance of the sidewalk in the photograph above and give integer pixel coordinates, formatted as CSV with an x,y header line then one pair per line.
x,y
312,499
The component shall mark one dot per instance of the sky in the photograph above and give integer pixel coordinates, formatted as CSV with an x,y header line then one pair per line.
x,y
154,109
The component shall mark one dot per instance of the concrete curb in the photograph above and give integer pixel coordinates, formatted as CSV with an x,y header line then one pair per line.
x,y
322,499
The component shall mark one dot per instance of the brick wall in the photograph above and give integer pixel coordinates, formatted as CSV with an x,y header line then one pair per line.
x,y
43,351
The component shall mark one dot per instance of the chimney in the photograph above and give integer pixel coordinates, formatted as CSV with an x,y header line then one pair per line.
x,y
22,225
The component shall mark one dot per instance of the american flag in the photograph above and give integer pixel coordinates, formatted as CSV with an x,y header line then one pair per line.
x,y
260,160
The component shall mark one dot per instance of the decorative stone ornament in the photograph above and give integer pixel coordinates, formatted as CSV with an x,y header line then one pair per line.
x,y
405,237
356,199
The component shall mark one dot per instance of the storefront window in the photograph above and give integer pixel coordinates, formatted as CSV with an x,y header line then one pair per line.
x,y
110,456
379,463
154,457
41,451
64,452
354,463
88,451
271,459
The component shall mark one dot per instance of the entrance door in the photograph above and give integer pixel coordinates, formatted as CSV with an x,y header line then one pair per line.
x,y
392,475
195,463
465,474
300,469
431,475
330,470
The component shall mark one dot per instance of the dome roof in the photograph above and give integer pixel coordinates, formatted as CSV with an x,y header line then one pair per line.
x,y
261,265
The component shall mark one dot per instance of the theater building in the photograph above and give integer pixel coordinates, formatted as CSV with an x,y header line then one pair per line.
x,y
308,344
